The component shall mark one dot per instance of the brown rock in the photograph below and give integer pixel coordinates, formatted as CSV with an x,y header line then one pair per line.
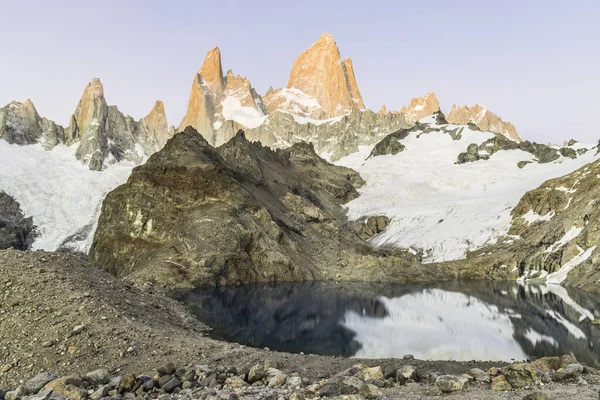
x,y
69,387
421,107
383,110
320,73
484,119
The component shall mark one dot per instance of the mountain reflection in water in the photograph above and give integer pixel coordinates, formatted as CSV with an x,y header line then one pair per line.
x,y
460,320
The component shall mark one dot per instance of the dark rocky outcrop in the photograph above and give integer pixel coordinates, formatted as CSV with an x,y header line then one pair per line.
x,y
16,231
196,216
542,153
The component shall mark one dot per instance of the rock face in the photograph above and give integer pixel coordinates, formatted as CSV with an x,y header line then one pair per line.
x,y
16,231
320,73
484,119
198,216
211,91
337,139
21,124
104,134
421,107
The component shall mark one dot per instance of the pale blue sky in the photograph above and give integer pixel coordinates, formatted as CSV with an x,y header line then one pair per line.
x,y
535,63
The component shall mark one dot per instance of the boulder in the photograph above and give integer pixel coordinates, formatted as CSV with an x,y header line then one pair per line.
x,y
35,384
370,374
499,383
450,383
520,375
571,372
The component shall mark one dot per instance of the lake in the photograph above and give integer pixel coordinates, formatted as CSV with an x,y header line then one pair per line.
x,y
457,320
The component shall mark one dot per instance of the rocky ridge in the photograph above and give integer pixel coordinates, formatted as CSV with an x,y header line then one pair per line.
x,y
484,119
104,135
421,107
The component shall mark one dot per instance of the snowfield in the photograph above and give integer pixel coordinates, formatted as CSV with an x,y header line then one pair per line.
x,y
443,208
61,194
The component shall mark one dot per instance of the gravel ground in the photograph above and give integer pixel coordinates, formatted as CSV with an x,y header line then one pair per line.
x,y
59,314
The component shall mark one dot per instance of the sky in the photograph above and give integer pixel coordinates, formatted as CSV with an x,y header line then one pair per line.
x,y
534,63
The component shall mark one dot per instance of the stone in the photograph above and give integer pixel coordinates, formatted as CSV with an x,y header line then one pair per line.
x,y
499,383
256,373
494,371
421,107
405,373
171,385
370,374
97,377
480,375
166,369
12,395
43,395
69,387
571,372
520,375
294,381
149,385
535,396
483,119
36,383
450,383
297,396
164,379
77,330
101,392
235,382
278,380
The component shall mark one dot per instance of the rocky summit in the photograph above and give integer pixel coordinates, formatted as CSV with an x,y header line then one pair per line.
x,y
421,107
484,119
320,73
196,216
102,133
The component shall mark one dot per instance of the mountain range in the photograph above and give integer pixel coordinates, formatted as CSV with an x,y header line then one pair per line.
x,y
440,186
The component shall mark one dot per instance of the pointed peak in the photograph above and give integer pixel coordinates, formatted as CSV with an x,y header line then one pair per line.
x,y
383,110
158,108
211,70
94,87
325,37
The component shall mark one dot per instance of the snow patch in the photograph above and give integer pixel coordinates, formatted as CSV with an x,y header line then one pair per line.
x,y
247,116
560,275
61,194
567,237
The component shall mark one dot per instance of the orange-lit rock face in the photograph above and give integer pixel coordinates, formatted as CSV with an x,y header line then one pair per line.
x,y
209,89
421,107
320,73
155,129
484,119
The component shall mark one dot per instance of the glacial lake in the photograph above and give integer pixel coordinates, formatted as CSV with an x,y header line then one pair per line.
x,y
458,320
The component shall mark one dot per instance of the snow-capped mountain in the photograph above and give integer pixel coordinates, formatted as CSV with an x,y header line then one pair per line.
x,y
439,203
445,188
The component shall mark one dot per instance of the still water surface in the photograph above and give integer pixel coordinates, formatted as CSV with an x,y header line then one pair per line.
x,y
464,320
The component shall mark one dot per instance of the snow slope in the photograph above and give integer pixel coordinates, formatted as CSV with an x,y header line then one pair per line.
x,y
61,194
441,207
